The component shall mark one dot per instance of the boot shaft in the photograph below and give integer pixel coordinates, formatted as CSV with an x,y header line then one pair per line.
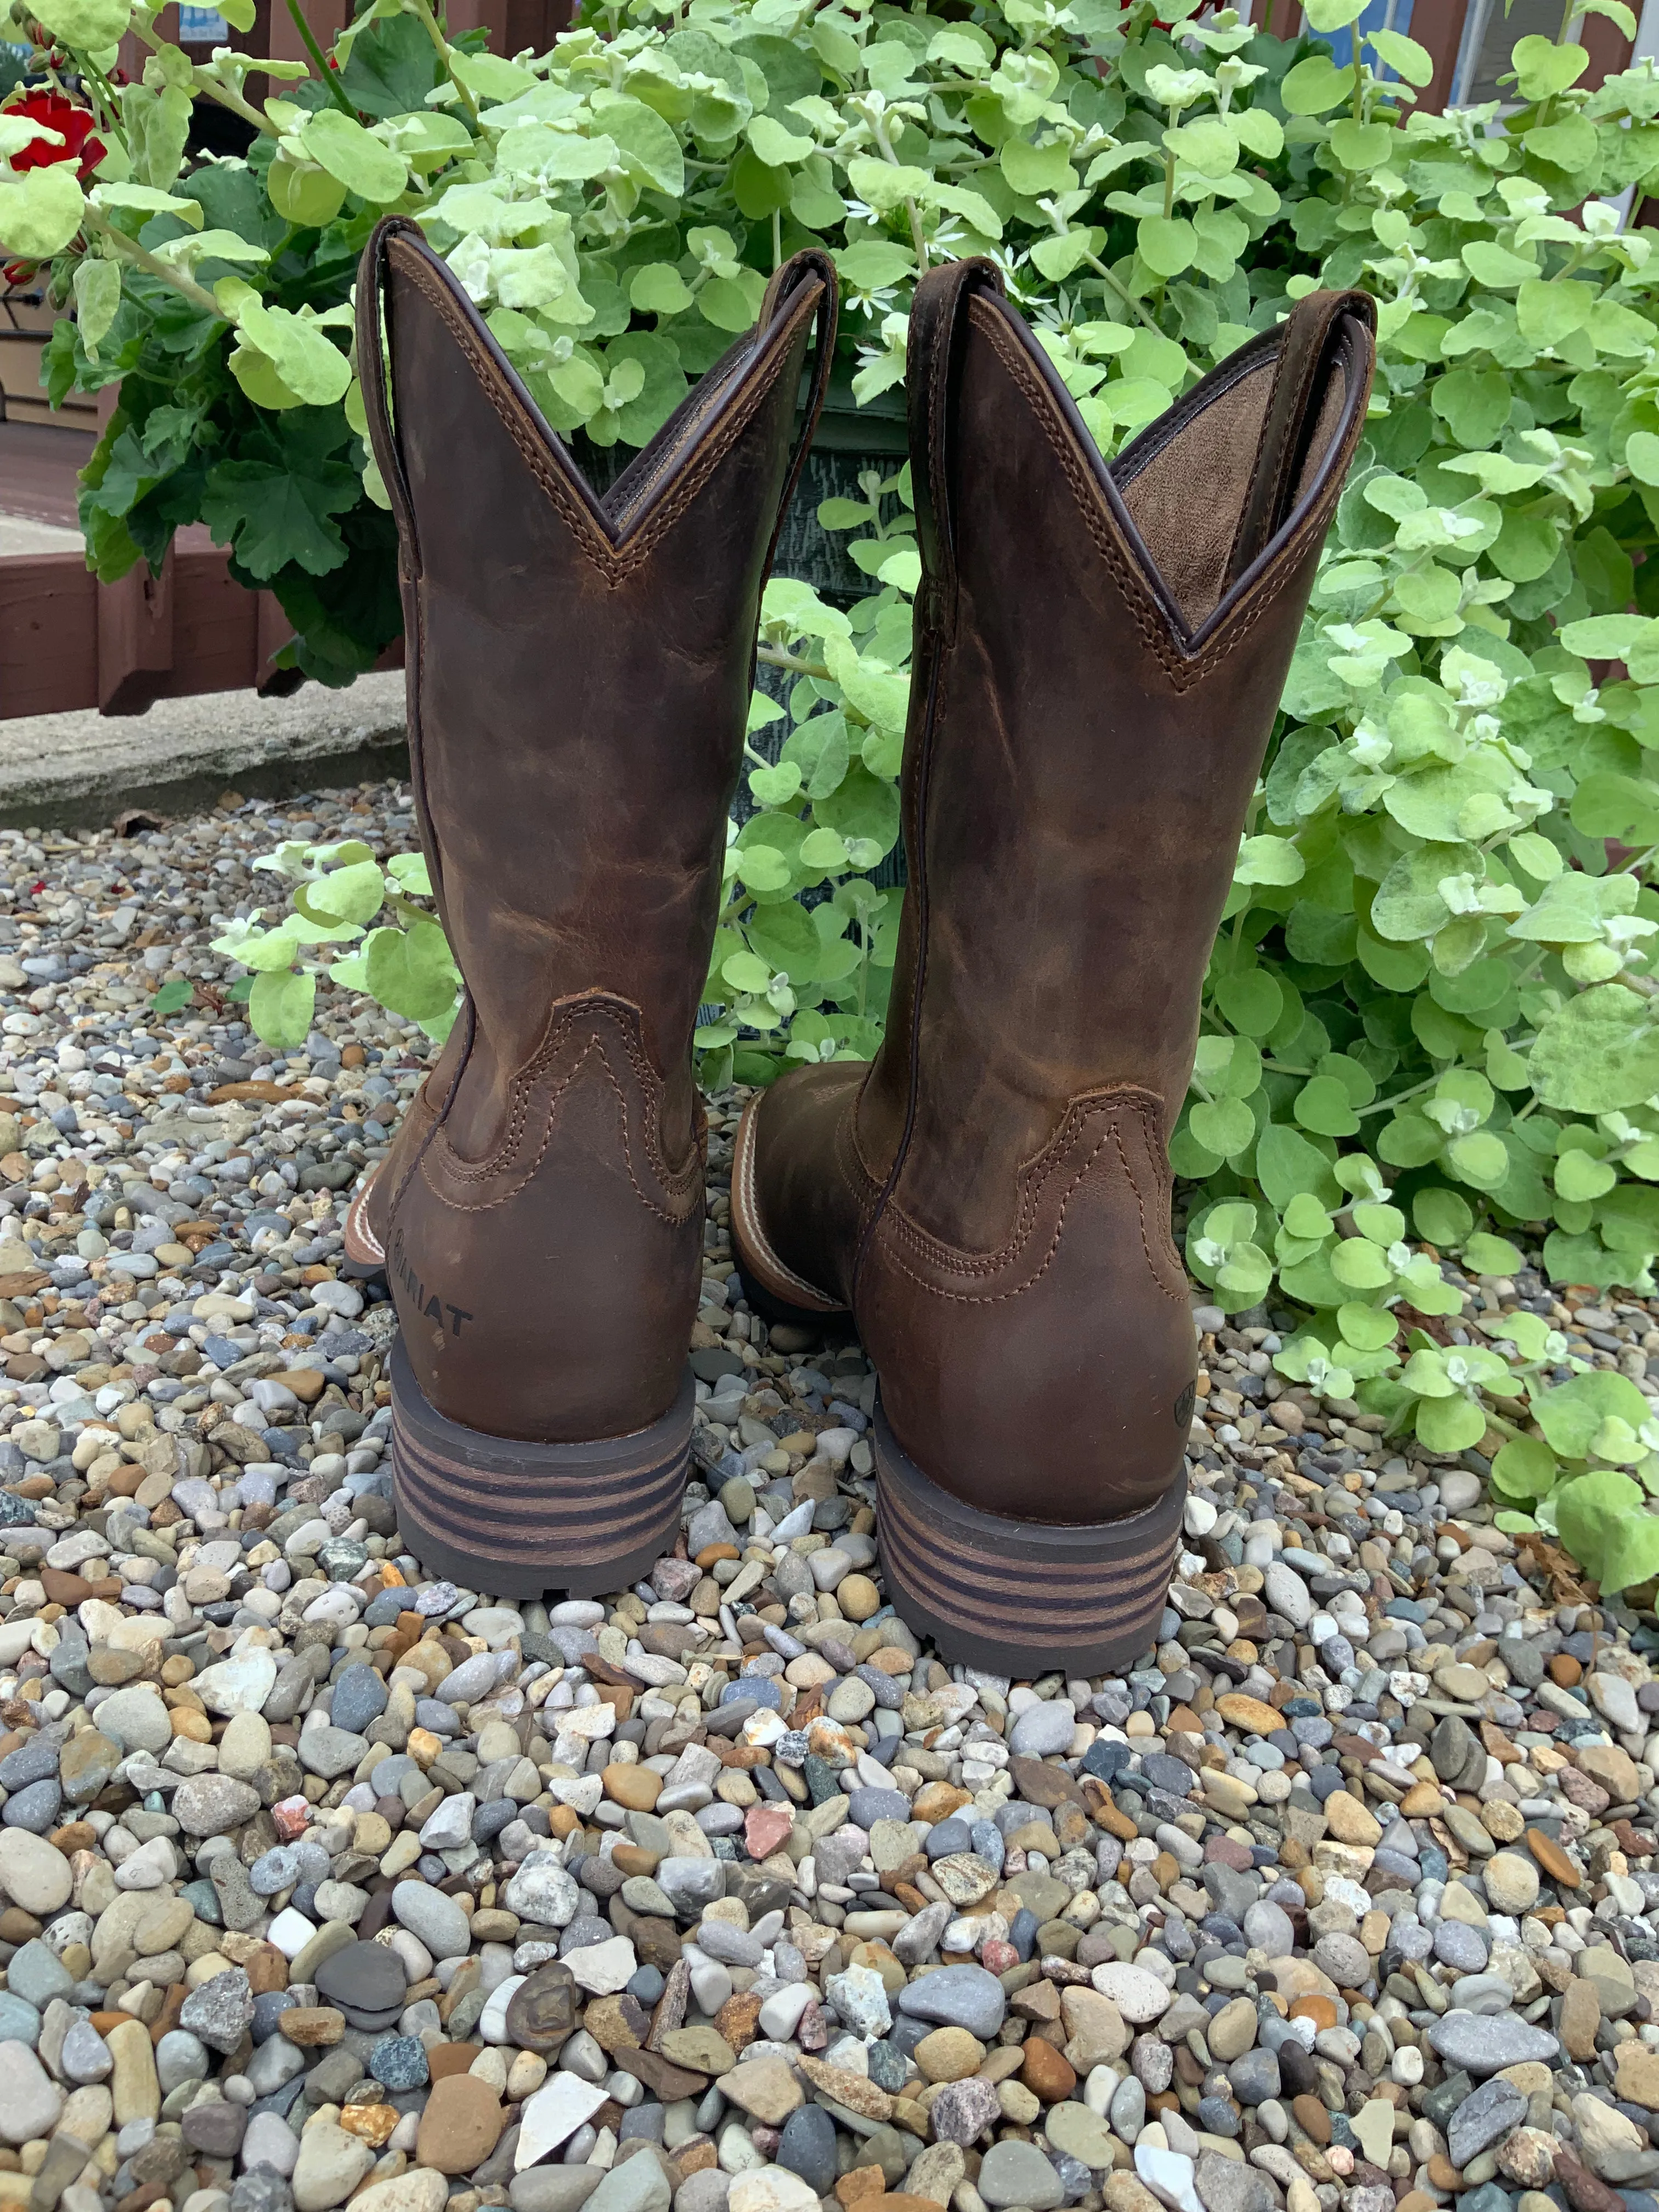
x,y
579,667
1099,656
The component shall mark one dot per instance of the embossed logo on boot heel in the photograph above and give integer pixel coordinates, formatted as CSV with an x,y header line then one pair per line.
x,y
1184,1404
451,1318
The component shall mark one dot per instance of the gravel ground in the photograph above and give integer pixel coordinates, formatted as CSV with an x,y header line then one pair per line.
x,y
322,1880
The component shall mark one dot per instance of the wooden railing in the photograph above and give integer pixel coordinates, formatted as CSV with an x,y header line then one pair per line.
x,y
67,640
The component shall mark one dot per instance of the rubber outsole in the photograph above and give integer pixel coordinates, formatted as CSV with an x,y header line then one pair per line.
x,y
1022,1597
514,1519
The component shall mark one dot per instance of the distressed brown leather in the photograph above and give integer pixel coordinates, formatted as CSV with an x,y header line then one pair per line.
x,y
579,682
1099,653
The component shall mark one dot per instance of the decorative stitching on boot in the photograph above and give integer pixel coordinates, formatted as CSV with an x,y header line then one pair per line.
x,y
616,563
1034,1177
1158,1268
1183,668
677,1184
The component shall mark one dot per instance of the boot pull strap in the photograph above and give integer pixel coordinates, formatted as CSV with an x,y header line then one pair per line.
x,y
371,377
937,318
802,269
1308,342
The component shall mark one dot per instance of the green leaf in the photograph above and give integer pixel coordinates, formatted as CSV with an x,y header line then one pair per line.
x,y
863,805
1630,1551
1525,1468
362,162
1315,86
91,25
777,147
1034,171
172,997
1367,1328
1598,1053
1362,145
1571,1415
1226,1128
1269,859
411,971
1449,1424
1286,1164
1228,1067
1403,56
1590,1511
1251,1001
1441,1217
409,872
1360,1265
97,300
1549,313
280,1006
40,212
1568,144
353,894
1607,637
1408,902
745,972
277,516
392,67
1479,1158
1166,243
1542,69
649,147
311,367
1492,1256
1323,1106
783,935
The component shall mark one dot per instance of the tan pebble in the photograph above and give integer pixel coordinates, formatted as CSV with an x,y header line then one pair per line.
x,y
638,1788
858,1597
949,2054
1349,1822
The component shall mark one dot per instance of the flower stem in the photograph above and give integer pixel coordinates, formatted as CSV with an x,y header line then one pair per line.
x,y
776,657
319,59
1121,289
130,250
424,10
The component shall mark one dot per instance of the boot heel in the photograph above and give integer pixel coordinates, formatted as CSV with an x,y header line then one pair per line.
x,y
1022,1597
514,1519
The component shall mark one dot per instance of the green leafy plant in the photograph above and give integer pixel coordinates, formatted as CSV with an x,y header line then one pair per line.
x,y
338,891
1429,1026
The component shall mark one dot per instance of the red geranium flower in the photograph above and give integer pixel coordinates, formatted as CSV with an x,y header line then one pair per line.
x,y
74,124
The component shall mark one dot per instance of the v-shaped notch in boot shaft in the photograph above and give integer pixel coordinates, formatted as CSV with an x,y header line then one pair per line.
x,y
1214,487
1197,506
619,527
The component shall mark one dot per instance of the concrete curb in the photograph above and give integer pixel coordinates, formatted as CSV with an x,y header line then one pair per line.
x,y
80,770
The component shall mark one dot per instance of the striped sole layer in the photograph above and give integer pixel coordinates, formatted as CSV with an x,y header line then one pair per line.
x,y
1023,1597
518,1520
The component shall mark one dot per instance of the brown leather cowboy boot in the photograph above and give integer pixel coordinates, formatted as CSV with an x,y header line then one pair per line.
x,y
579,685
1099,652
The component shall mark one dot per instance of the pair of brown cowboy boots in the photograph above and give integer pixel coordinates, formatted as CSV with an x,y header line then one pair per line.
x,y
1099,652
